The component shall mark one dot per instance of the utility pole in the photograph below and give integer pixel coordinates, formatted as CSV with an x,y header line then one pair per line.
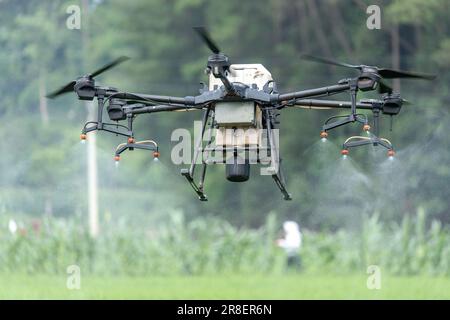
x,y
92,172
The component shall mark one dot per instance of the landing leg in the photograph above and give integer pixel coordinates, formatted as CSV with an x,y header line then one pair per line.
x,y
189,173
275,162
201,195
279,180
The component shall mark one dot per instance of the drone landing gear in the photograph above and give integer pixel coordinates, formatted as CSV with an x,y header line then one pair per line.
x,y
197,189
280,182
189,173
275,162
275,159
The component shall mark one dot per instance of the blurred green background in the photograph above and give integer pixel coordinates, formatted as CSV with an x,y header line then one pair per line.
x,y
354,213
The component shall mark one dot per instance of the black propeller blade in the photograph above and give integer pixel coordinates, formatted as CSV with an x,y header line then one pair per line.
x,y
109,66
327,61
67,88
70,86
393,74
383,72
203,33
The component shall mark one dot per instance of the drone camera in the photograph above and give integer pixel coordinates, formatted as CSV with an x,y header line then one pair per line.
x,y
115,110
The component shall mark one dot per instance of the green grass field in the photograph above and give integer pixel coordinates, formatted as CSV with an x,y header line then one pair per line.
x,y
232,287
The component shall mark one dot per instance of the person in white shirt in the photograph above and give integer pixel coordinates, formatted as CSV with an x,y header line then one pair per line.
x,y
291,244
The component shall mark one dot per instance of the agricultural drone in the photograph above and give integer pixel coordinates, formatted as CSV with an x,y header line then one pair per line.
x,y
240,108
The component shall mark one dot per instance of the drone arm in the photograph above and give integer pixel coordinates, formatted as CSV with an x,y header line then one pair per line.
x,y
229,87
313,92
160,108
330,104
186,101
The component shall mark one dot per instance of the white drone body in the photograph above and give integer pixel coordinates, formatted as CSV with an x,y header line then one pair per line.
x,y
248,74
239,122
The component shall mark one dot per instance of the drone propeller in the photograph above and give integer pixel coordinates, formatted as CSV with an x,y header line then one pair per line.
x,y
67,88
70,86
218,63
396,74
326,61
109,66
203,33
385,73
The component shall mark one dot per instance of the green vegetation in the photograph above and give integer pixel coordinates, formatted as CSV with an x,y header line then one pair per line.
x,y
214,247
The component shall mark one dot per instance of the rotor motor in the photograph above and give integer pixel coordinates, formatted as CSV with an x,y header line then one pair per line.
x,y
115,110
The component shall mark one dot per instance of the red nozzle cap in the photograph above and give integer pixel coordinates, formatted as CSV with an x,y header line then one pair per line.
x,y
83,136
344,152
156,154
391,153
117,158
131,140
366,127
323,134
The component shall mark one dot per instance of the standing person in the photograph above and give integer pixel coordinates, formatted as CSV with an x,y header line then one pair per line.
x,y
291,244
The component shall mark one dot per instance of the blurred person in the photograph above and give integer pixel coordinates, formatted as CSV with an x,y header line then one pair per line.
x,y
291,244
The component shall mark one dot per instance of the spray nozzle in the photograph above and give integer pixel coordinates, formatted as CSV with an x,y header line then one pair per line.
x,y
391,153
323,135
116,158
156,155
344,152
83,138
131,140
366,127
